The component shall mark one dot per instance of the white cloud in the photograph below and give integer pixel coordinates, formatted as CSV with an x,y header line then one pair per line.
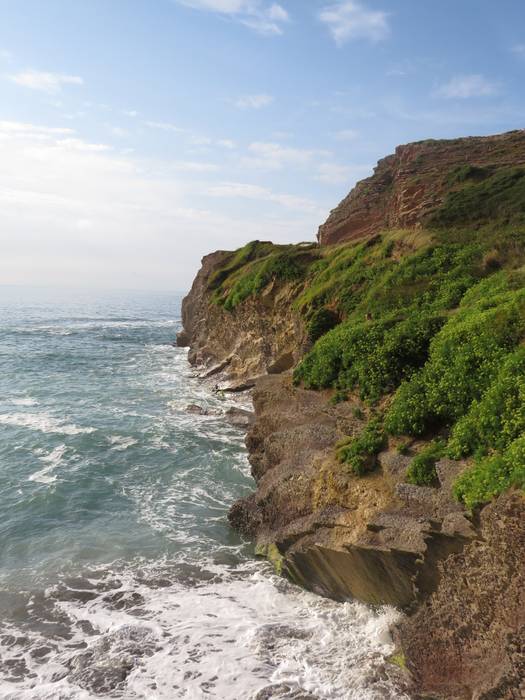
x,y
273,156
51,83
74,144
130,113
350,19
92,216
163,126
519,49
6,55
248,191
8,128
191,166
260,16
347,135
119,132
226,143
335,174
254,101
466,86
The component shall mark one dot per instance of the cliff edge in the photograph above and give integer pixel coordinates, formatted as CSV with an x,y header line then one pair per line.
x,y
388,376
408,187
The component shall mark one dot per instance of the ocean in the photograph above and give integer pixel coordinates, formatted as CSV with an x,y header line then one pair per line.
x,y
119,574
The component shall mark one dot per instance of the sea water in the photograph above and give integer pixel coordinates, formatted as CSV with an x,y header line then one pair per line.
x,y
119,574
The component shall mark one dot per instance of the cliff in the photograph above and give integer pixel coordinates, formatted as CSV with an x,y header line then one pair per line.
x,y
388,448
408,187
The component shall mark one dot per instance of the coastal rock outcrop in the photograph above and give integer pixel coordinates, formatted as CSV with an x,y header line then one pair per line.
x,y
263,335
408,186
457,573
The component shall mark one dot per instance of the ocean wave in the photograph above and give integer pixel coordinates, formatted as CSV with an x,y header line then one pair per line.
x,y
44,422
163,632
120,442
25,401
52,460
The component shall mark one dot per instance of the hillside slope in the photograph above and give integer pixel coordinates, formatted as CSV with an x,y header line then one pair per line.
x,y
408,187
390,464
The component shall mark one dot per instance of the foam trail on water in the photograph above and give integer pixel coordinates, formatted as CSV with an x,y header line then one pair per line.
x,y
120,577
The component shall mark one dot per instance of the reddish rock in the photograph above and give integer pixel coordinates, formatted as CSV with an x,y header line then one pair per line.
x,y
409,185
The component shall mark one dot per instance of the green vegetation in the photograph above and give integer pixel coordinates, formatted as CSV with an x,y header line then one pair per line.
x,y
498,197
422,469
250,269
359,453
492,475
321,321
429,325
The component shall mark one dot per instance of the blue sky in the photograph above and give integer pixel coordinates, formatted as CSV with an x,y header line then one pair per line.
x,y
138,135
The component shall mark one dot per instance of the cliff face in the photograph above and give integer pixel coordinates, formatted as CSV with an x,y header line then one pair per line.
x,y
366,532
263,335
408,186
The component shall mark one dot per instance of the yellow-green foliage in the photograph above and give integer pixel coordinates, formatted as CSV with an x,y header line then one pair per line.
x,y
250,269
422,469
359,453
483,197
433,320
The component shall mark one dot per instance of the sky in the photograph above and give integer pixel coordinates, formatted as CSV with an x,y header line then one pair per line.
x,y
138,135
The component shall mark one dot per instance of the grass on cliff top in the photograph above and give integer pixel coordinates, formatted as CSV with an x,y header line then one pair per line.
x,y
250,269
439,333
429,324
483,196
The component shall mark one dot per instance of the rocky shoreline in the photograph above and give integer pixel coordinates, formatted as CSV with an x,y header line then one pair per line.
x,y
457,575
377,539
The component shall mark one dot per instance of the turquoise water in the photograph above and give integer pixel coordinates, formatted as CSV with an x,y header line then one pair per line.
x,y
119,575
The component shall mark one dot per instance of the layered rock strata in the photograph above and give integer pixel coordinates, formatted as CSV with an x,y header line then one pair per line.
x,y
409,185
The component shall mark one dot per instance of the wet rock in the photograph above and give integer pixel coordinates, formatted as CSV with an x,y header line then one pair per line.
x,y
283,691
196,410
105,666
239,417
183,339
240,386
245,516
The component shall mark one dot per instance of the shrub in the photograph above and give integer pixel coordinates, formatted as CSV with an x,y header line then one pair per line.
x,y
498,417
498,197
339,397
464,358
403,448
321,321
422,469
492,475
286,263
359,453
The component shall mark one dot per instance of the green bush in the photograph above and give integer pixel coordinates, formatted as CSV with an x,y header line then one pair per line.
x,y
500,197
359,453
422,469
339,397
284,263
492,475
464,358
321,321
498,418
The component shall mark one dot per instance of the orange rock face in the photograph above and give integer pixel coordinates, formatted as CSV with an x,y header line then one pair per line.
x,y
409,185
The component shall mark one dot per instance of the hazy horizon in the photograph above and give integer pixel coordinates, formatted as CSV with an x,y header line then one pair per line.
x,y
137,137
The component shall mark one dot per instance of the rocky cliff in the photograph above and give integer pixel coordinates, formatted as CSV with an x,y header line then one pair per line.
x,y
410,185
261,336
352,510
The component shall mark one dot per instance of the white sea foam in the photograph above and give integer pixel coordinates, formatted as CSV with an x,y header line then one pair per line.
x,y
120,442
25,401
44,422
225,636
52,461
